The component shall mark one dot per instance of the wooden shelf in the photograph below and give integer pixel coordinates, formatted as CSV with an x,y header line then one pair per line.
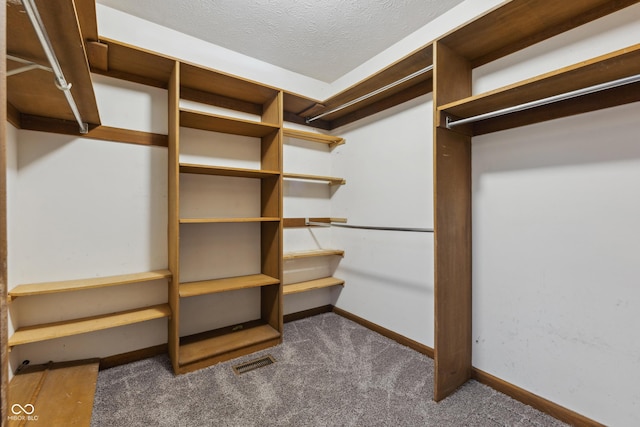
x,y
30,334
302,222
226,171
330,179
81,284
310,285
33,94
311,254
612,66
204,287
216,123
193,349
331,141
515,25
226,220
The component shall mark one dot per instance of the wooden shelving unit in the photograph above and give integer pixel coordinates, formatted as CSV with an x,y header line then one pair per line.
x,y
207,86
311,285
506,29
30,334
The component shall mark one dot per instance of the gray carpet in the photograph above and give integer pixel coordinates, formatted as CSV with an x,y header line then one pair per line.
x,y
329,372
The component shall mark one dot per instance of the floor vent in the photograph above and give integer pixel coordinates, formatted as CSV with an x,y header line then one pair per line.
x,y
253,364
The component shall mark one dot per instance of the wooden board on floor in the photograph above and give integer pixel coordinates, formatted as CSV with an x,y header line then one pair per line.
x,y
56,394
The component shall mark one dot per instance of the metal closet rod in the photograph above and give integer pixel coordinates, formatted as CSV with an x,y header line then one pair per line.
x,y
60,81
370,94
549,100
367,227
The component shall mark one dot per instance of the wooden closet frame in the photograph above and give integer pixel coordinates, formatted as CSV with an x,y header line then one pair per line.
x,y
508,28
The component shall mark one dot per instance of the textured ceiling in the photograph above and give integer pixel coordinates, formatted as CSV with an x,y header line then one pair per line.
x,y
323,39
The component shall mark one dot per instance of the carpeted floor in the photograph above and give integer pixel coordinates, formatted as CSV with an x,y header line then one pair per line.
x,y
329,372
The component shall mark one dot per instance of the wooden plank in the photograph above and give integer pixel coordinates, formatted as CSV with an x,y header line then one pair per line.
x,y
452,225
89,283
517,24
4,284
612,66
216,123
227,220
34,92
196,350
311,285
227,171
173,207
86,11
107,133
29,334
220,101
312,254
13,115
330,140
60,393
214,81
302,222
330,179
204,287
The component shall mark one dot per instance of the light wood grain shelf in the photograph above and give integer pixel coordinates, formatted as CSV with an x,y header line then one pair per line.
x,y
90,283
216,123
226,220
310,285
330,140
311,254
30,334
609,67
204,287
330,179
226,171
192,351
302,222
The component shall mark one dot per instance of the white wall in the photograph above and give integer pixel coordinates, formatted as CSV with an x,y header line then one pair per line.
x,y
84,208
556,240
12,214
387,162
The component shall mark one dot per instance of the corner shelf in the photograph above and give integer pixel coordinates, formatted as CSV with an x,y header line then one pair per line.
x,y
204,287
311,285
330,140
81,284
36,333
616,65
330,179
310,254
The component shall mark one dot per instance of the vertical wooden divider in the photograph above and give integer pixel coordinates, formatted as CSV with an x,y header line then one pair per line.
x,y
174,214
4,353
452,225
271,205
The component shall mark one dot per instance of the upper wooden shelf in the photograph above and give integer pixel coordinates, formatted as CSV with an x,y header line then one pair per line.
x,y
605,68
311,254
517,24
33,94
332,180
204,287
90,283
29,334
226,171
311,285
330,140
227,220
216,123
